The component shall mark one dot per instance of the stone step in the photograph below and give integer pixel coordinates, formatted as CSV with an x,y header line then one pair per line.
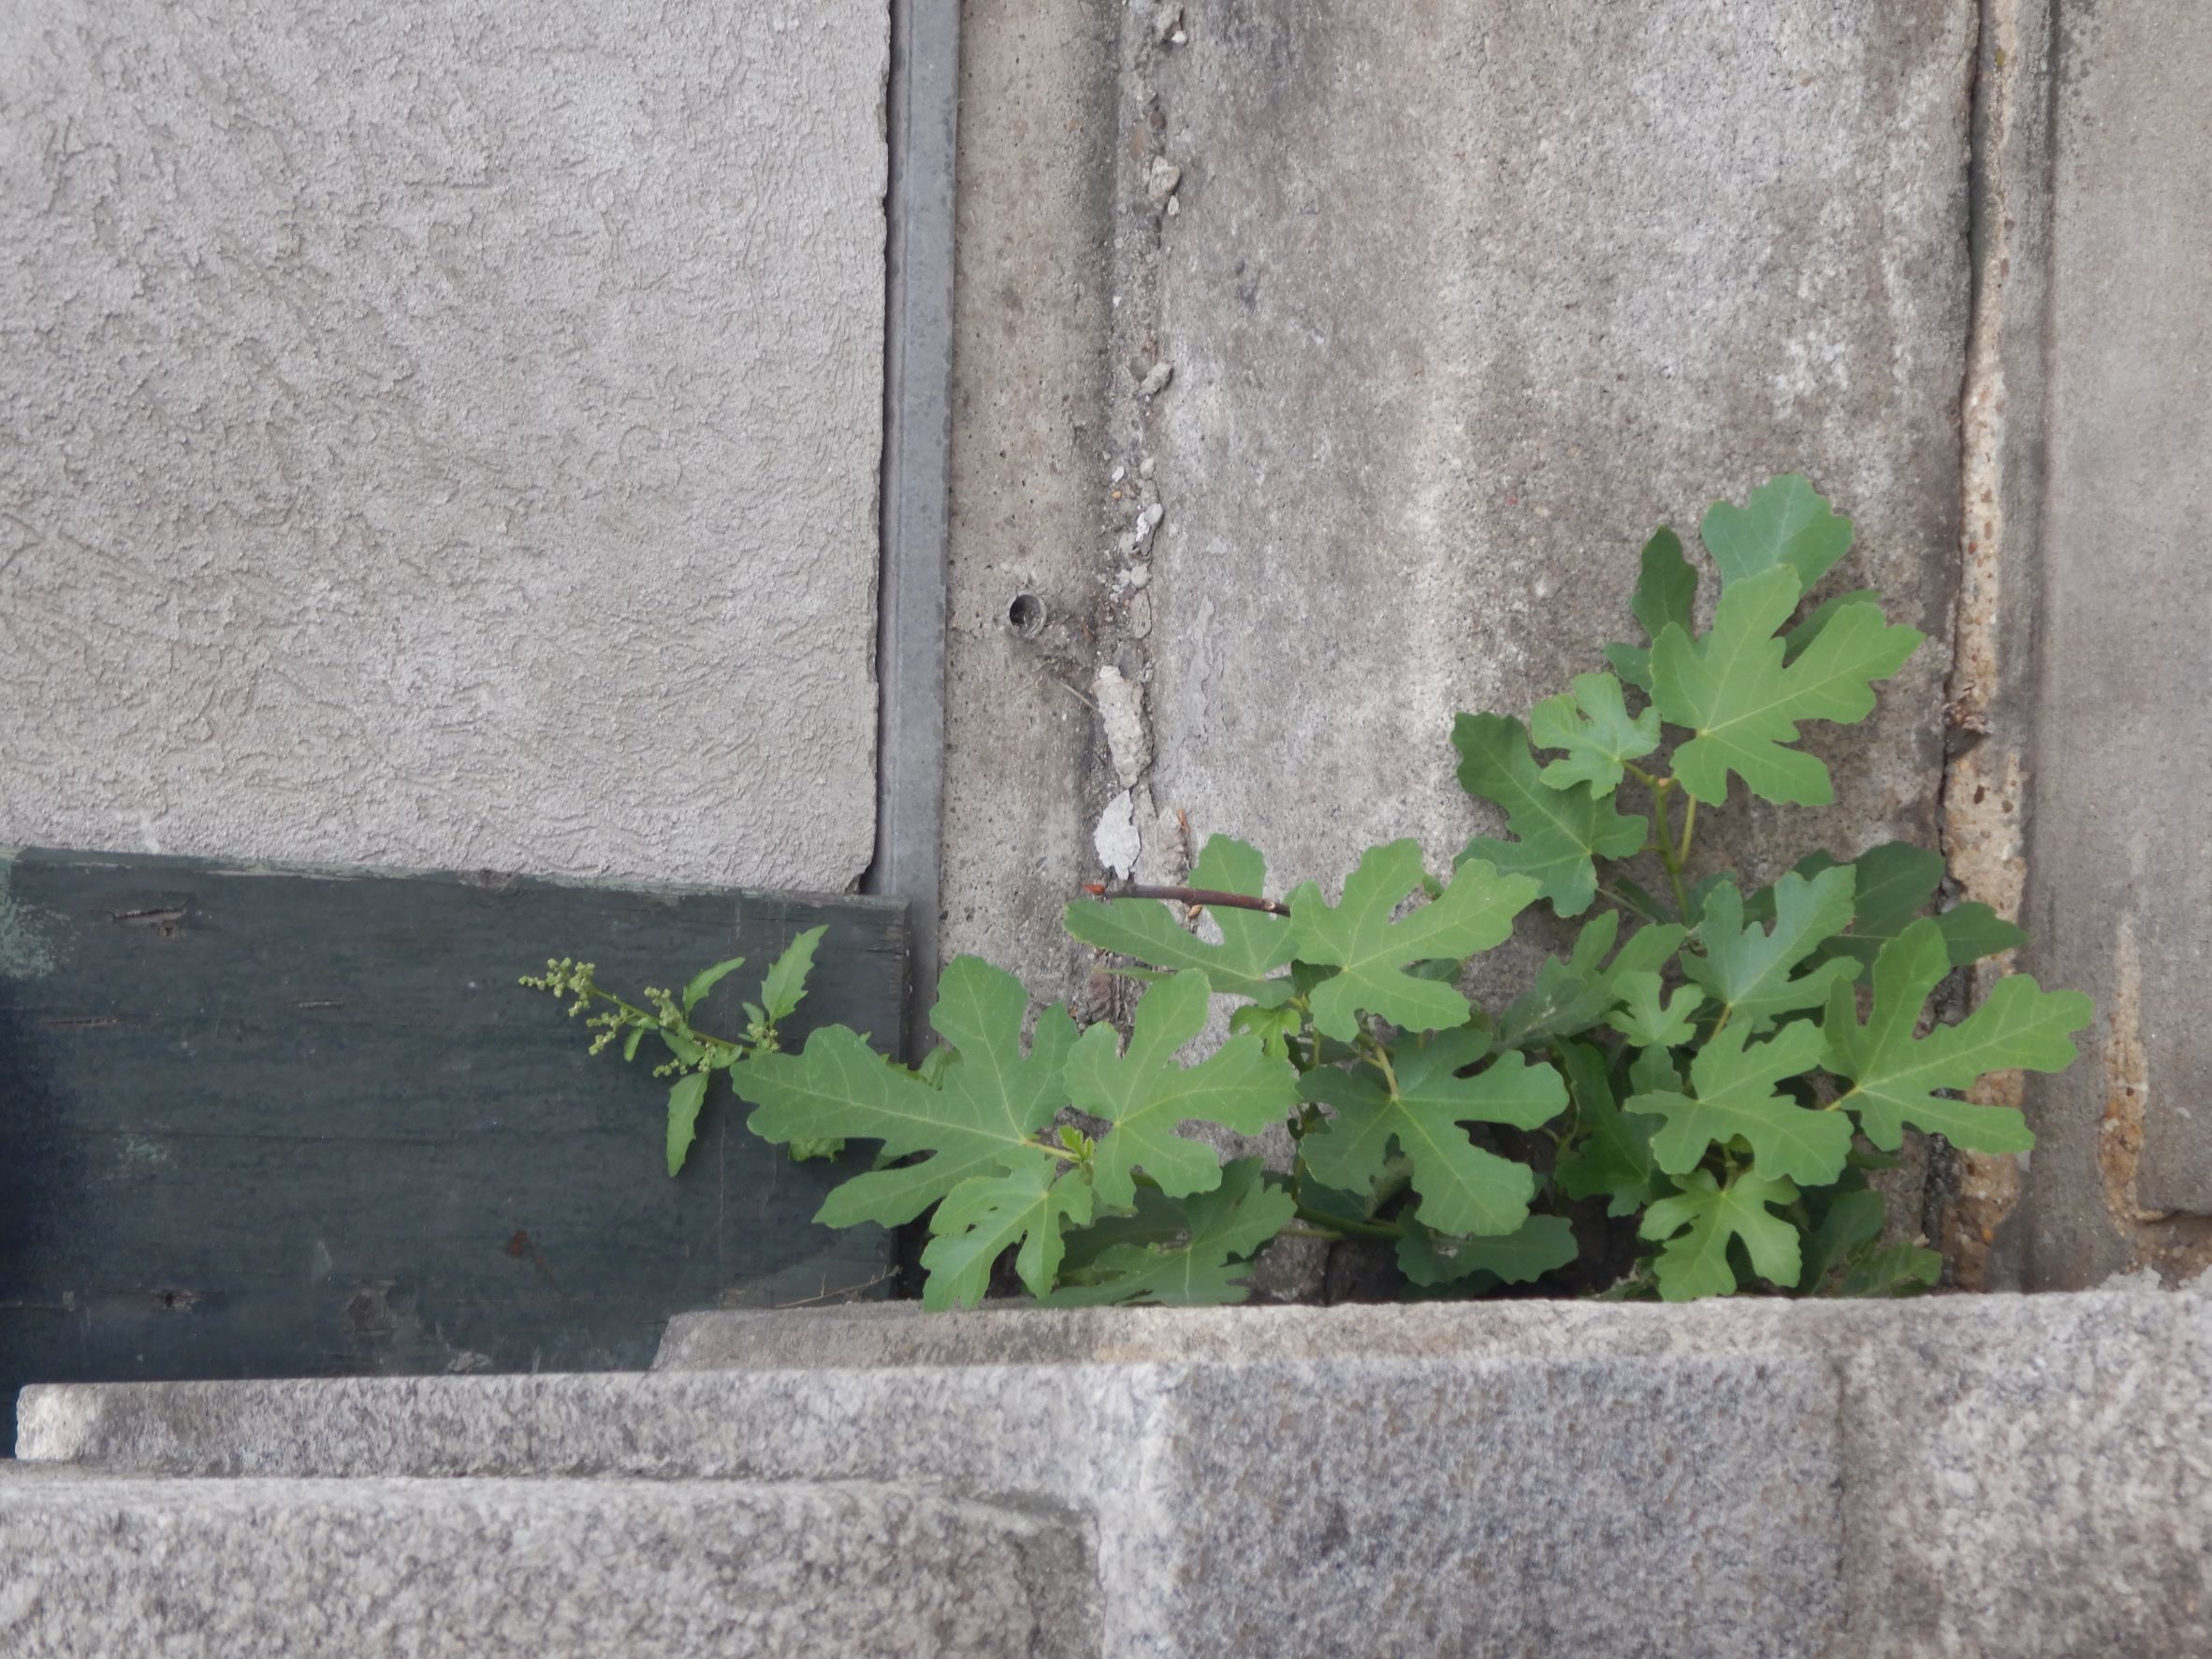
x,y
102,1564
2022,1476
1278,1508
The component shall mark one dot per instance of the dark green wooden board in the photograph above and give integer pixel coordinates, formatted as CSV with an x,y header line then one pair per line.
x,y
273,1123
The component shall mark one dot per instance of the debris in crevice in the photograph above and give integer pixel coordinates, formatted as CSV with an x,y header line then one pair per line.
x,y
1983,788
1115,838
1121,711
2127,1087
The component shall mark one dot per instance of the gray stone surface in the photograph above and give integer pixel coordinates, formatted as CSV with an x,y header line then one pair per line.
x,y
1032,306
1463,300
1459,299
444,437
1964,1475
2119,886
103,1564
1429,1487
2019,1474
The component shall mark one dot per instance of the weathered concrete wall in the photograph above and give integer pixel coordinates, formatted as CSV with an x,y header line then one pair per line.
x,y
1461,300
2094,658
444,437
1454,303
1033,304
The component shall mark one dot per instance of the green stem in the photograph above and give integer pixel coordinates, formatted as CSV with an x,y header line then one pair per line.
x,y
651,1022
1379,1057
1337,1224
1662,794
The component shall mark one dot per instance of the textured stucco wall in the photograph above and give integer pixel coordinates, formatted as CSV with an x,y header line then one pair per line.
x,y
443,435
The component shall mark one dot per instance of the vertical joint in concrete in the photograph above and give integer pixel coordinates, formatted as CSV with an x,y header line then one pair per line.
x,y
921,116
2084,447
1989,704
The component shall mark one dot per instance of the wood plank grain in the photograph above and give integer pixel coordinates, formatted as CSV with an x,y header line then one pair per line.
x,y
286,1123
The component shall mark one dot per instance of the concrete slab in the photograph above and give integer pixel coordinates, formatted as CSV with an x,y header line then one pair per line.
x,y
1281,1508
1958,1476
1032,309
444,440
1461,300
106,1563
1422,317
2119,886
2020,1474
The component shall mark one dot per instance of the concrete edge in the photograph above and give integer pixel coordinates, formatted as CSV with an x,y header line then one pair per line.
x,y
922,106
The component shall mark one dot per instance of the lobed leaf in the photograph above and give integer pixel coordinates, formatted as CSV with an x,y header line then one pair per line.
x,y
1559,833
1371,952
1895,1079
1665,593
1592,724
1205,1265
1735,1097
1420,1109
1146,1096
1803,634
1902,1269
1538,1245
1746,968
1895,884
973,1111
1613,1156
1708,1216
1647,1023
1576,995
982,1216
1274,1027
1786,521
1851,1220
1254,943
1734,690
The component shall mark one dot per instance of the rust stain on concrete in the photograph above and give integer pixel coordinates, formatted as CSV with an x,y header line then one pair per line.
x,y
1985,796
2177,1246
1986,783
2127,1086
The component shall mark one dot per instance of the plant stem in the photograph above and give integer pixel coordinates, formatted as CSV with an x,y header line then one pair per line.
x,y
1662,794
1379,1057
1339,1228
1190,896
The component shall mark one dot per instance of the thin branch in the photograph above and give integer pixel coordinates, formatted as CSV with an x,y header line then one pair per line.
x,y
1190,896
832,1295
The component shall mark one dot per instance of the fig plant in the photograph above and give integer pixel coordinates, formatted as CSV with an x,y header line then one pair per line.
x,y
1687,1102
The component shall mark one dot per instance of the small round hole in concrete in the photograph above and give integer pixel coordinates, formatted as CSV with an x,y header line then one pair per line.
x,y
1024,615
